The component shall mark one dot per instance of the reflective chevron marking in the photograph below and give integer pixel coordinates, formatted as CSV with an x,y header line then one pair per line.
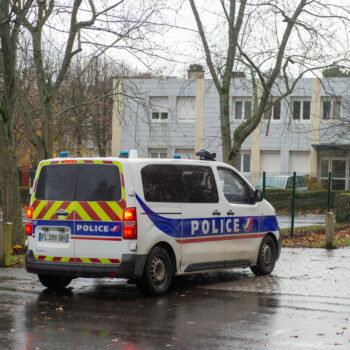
x,y
77,260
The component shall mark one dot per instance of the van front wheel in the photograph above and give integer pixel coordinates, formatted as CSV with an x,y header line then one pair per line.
x,y
54,282
266,258
157,274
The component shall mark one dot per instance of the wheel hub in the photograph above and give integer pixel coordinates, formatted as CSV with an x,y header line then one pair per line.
x,y
266,254
158,270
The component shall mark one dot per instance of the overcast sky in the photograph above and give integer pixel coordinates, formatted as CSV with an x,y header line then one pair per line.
x,y
175,44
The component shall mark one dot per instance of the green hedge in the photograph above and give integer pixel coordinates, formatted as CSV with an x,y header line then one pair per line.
x,y
304,200
342,207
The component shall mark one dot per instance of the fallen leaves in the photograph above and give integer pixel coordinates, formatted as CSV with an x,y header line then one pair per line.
x,y
313,238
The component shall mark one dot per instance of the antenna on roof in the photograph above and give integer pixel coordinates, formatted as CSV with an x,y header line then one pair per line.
x,y
203,154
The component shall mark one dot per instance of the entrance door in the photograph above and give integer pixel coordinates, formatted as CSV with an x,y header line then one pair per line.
x,y
337,166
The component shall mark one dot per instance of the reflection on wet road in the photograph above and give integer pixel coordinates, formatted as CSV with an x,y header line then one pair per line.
x,y
302,306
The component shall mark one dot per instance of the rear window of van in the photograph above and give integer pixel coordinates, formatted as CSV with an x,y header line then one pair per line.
x,y
79,182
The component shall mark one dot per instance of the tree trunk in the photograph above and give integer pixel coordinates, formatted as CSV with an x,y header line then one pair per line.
x,y
225,127
10,193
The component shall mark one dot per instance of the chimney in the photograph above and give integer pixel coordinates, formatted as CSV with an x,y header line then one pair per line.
x,y
196,71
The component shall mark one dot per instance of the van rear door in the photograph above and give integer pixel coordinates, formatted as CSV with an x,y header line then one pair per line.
x,y
53,212
100,200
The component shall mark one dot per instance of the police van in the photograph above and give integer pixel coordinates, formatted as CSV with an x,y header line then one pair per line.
x,y
147,220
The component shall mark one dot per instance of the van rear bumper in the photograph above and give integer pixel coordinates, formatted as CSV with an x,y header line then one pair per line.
x,y
132,265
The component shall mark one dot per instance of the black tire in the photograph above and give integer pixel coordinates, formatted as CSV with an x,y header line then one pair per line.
x,y
267,257
157,274
54,282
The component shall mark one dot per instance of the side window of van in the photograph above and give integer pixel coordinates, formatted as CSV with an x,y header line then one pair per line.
x,y
199,184
179,183
234,187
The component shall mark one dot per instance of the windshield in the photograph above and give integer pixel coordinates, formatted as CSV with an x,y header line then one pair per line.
x,y
272,181
79,182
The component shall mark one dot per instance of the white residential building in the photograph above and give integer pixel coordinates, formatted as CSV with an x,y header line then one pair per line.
x,y
307,131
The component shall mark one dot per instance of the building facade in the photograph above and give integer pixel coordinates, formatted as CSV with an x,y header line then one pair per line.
x,y
306,132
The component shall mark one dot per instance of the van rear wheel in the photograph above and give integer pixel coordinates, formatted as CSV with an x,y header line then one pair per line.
x,y
157,274
55,282
267,257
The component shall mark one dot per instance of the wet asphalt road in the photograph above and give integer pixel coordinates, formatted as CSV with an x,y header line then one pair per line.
x,y
305,304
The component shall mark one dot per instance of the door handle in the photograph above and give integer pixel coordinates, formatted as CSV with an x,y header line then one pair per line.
x,y
230,212
61,212
216,212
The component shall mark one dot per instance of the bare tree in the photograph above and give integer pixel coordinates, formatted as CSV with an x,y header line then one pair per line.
x,y
45,22
12,16
49,85
276,27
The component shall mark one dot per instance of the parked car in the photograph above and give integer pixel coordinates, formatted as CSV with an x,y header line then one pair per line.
x,y
282,181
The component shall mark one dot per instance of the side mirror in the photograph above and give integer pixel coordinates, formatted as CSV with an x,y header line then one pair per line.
x,y
258,196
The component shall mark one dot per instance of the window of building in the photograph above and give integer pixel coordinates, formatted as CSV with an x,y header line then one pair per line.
x,y
270,162
234,187
299,161
274,113
159,108
301,109
331,108
185,108
244,163
179,183
242,108
157,153
337,166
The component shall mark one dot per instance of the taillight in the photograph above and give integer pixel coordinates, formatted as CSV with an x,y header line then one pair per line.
x,y
29,212
129,223
29,229
69,161
29,225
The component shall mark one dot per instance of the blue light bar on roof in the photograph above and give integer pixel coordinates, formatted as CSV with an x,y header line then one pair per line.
x,y
177,156
63,154
124,154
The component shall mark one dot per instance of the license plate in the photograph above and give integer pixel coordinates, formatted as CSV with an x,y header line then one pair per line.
x,y
54,237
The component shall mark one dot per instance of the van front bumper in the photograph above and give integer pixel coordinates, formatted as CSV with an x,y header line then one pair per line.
x,y
279,245
131,265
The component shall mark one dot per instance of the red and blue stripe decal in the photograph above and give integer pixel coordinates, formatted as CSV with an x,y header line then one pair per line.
x,y
212,229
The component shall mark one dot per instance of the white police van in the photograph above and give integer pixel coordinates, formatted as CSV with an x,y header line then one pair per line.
x,y
147,220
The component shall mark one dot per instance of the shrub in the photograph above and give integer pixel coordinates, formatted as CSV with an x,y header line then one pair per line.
x,y
342,207
313,183
304,200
